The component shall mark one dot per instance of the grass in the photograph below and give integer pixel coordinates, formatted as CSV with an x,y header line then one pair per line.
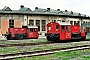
x,y
85,57
9,50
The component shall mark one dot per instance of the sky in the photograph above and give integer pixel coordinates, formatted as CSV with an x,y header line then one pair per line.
x,y
79,6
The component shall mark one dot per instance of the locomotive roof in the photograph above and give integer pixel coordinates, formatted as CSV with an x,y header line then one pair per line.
x,y
64,23
32,27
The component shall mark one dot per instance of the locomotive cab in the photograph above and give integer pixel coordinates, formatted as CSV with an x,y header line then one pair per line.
x,y
58,31
76,31
32,32
53,31
83,33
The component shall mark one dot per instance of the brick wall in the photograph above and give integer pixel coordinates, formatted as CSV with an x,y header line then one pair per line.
x,y
17,23
4,26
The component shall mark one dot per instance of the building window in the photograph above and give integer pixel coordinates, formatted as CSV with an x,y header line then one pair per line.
x,y
78,22
43,25
11,23
53,20
83,21
63,21
71,22
74,22
31,22
59,21
38,24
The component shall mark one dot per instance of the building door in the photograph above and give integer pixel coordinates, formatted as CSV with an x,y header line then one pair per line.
x,y
43,25
38,24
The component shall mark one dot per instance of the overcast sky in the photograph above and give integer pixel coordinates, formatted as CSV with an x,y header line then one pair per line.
x,y
79,6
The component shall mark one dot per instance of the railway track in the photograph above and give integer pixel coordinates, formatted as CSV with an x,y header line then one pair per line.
x,y
43,52
25,44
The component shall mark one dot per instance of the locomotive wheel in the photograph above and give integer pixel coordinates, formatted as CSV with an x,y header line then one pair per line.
x,y
84,38
48,39
9,37
20,37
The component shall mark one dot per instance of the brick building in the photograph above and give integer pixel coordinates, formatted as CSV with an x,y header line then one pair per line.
x,y
39,17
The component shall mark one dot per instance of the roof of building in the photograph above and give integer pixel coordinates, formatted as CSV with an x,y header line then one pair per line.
x,y
24,8
6,9
48,11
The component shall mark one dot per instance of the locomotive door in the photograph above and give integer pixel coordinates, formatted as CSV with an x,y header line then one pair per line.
x,y
63,32
68,33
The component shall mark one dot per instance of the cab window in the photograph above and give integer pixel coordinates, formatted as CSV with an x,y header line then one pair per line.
x,y
63,28
32,30
57,26
67,28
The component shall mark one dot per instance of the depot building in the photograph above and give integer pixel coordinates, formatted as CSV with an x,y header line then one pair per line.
x,y
38,17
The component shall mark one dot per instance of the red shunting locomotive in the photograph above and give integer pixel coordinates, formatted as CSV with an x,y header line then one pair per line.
x,y
22,33
78,32
57,31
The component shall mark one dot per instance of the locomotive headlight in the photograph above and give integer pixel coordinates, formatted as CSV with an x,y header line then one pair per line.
x,y
49,28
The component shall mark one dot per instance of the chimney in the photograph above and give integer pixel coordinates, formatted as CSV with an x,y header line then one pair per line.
x,y
79,14
58,9
65,10
36,7
71,12
22,6
48,9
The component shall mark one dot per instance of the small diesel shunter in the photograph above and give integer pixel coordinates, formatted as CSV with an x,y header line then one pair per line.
x,y
62,31
29,32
